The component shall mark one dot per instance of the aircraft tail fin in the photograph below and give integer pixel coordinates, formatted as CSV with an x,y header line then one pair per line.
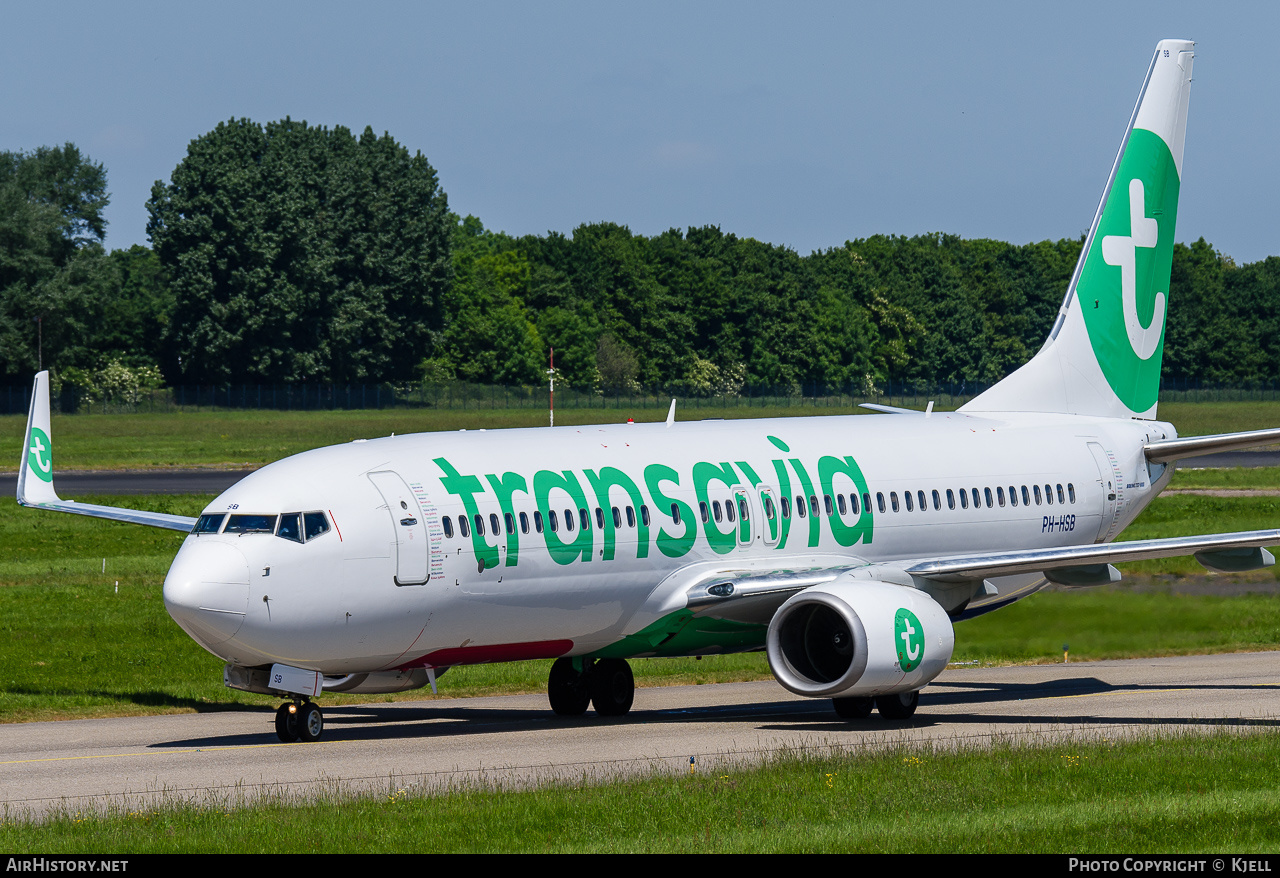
x,y
1103,354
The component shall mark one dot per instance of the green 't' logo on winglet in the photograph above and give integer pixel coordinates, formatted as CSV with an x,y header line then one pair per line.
x,y
40,455
908,636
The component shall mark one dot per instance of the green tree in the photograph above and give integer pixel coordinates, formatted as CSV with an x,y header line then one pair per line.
x,y
54,274
301,253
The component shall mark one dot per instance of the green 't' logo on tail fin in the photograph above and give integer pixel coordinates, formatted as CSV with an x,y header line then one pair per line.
x,y
1123,290
40,455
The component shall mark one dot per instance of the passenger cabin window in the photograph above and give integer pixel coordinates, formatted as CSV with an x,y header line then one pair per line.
x,y
1071,491
951,499
524,523
893,500
1048,494
644,514
448,527
1013,496
906,495
631,517
675,512
937,501
494,527
463,527
920,497
964,499
537,521
1060,500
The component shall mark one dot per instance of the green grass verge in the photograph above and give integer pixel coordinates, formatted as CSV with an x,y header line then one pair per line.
x,y
1179,794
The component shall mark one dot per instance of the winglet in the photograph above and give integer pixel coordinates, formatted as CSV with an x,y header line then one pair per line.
x,y
35,472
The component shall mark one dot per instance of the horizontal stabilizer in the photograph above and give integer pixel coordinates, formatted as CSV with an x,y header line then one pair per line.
x,y
1166,450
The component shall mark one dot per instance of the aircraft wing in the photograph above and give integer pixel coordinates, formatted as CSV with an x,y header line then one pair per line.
x,y
753,596
35,474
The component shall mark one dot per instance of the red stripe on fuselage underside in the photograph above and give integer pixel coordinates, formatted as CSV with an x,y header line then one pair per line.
x,y
499,652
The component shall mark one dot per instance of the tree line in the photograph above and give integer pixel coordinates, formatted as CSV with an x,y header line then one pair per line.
x,y
288,253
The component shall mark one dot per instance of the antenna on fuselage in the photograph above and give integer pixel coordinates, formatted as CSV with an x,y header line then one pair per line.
x,y
671,415
551,391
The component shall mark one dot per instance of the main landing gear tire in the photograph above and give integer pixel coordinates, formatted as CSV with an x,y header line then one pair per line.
x,y
299,722
613,688
853,708
567,689
900,705
606,684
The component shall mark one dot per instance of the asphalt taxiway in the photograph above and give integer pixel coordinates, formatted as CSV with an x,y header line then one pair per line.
x,y
380,748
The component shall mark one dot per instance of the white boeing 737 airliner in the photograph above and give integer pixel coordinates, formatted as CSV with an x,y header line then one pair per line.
x,y
844,546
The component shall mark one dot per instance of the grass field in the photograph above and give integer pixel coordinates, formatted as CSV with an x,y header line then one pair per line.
x,y
1186,793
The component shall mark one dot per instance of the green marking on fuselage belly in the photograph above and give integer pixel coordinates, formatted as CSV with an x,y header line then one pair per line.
x,y
682,633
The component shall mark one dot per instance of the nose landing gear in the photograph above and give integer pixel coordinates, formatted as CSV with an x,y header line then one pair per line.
x,y
299,721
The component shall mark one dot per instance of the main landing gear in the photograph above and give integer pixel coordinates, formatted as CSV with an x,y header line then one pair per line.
x,y
299,721
901,705
606,684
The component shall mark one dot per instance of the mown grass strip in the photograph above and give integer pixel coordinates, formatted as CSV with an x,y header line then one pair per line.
x,y
1182,793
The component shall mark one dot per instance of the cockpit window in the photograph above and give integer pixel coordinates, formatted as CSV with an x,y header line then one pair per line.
x,y
251,524
209,524
315,523
290,528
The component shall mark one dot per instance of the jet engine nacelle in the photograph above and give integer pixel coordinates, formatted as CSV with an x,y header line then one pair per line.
x,y
852,638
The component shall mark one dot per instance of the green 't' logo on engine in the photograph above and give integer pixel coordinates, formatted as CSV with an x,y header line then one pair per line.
x,y
1123,289
40,455
908,636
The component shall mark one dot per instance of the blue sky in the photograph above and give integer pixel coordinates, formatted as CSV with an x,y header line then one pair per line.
x,y
806,124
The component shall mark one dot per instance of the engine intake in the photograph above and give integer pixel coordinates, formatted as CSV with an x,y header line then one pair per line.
x,y
858,638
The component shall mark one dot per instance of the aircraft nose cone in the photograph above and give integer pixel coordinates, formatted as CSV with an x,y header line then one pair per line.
x,y
207,591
